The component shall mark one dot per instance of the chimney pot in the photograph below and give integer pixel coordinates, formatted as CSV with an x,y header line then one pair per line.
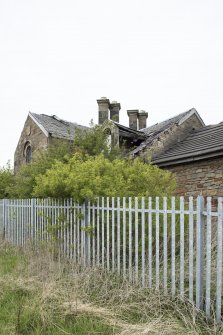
x,y
114,111
103,108
133,118
142,116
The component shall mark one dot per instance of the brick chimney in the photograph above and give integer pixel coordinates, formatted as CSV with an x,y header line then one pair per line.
x,y
114,111
103,108
142,117
133,118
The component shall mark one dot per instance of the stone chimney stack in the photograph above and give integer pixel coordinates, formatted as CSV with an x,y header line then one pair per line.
x,y
133,118
114,111
103,108
142,117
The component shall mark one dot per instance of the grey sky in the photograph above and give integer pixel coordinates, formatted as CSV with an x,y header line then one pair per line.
x,y
58,57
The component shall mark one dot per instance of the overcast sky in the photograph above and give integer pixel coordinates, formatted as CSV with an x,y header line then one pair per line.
x,y
58,57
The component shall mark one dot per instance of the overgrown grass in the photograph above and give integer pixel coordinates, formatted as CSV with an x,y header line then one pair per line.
x,y
41,296
26,308
8,261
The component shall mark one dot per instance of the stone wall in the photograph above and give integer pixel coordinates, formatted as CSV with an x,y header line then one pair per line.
x,y
111,129
32,134
199,178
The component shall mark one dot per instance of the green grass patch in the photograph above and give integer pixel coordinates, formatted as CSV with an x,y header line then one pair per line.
x,y
23,313
8,261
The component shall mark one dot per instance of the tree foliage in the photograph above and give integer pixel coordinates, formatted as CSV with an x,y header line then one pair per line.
x,y
6,181
25,179
88,141
85,177
93,141
84,169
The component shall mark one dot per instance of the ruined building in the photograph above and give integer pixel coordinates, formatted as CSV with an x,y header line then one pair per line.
x,y
182,144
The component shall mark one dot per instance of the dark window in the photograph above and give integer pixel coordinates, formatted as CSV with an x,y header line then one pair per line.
x,y
28,154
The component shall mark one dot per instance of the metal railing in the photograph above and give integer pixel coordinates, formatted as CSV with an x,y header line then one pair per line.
x,y
174,245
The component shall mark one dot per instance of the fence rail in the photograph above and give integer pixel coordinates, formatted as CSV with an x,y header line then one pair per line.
x,y
174,245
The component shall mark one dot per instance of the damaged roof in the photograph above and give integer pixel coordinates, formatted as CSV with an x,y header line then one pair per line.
x,y
194,145
128,132
56,127
204,143
153,132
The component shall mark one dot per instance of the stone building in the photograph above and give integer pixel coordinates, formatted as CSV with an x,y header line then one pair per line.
x,y
190,150
197,162
181,144
38,133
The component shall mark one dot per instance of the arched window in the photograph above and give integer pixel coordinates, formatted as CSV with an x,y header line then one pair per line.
x,y
28,152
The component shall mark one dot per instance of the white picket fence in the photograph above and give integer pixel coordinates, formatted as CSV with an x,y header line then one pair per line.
x,y
174,245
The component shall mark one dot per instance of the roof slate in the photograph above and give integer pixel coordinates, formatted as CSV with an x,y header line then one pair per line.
x,y
161,126
57,127
155,130
207,141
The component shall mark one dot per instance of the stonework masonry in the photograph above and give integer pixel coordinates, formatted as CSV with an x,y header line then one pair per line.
x,y
199,178
133,118
33,135
172,136
103,110
114,111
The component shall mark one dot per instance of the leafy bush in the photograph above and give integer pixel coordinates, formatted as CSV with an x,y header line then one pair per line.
x,y
6,181
90,141
85,177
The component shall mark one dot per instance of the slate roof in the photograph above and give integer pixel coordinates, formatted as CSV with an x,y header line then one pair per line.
x,y
155,130
204,143
56,127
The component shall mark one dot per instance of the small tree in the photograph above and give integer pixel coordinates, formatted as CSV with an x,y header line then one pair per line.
x,y
6,181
